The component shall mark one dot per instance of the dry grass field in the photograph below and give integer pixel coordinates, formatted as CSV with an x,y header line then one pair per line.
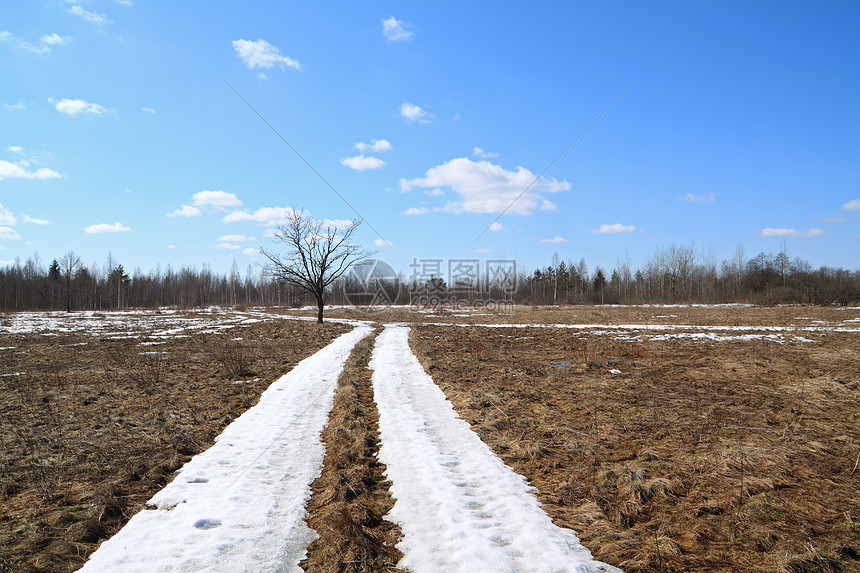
x,y
670,438
93,424
731,453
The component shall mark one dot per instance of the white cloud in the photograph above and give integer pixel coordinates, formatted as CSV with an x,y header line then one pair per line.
x,y
478,152
853,205
705,199
251,252
148,110
34,221
273,216
612,229
125,3
88,16
6,216
228,246
496,226
414,113
362,163
22,45
217,199
434,192
15,148
484,187
185,211
394,30
375,146
106,228
264,216
555,240
74,107
55,39
262,54
9,234
337,223
236,239
794,233
547,205
383,243
412,211
209,200
9,170
20,106
833,219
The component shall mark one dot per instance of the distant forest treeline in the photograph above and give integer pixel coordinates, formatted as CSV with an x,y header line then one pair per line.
x,y
678,275
670,275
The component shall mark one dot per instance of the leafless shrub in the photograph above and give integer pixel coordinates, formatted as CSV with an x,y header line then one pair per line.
x,y
233,357
150,371
48,471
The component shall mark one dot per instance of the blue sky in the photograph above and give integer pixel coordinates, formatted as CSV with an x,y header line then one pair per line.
x,y
119,132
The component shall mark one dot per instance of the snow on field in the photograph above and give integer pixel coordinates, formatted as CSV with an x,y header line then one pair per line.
x,y
459,506
162,323
778,334
240,505
127,322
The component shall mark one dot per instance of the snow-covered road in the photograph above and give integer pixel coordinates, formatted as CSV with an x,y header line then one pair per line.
x,y
459,506
240,505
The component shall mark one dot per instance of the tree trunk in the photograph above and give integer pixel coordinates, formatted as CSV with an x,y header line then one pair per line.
x,y
319,310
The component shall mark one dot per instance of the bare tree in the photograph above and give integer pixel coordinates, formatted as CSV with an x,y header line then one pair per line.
x,y
318,253
69,265
782,260
738,261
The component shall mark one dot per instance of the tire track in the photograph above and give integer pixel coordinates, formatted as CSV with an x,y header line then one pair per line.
x,y
240,505
459,506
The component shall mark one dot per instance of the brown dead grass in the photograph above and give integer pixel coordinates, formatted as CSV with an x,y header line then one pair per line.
x,y
700,456
92,427
351,495
802,316
730,456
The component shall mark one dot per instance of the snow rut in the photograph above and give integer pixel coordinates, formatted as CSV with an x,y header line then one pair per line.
x,y
240,505
459,506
